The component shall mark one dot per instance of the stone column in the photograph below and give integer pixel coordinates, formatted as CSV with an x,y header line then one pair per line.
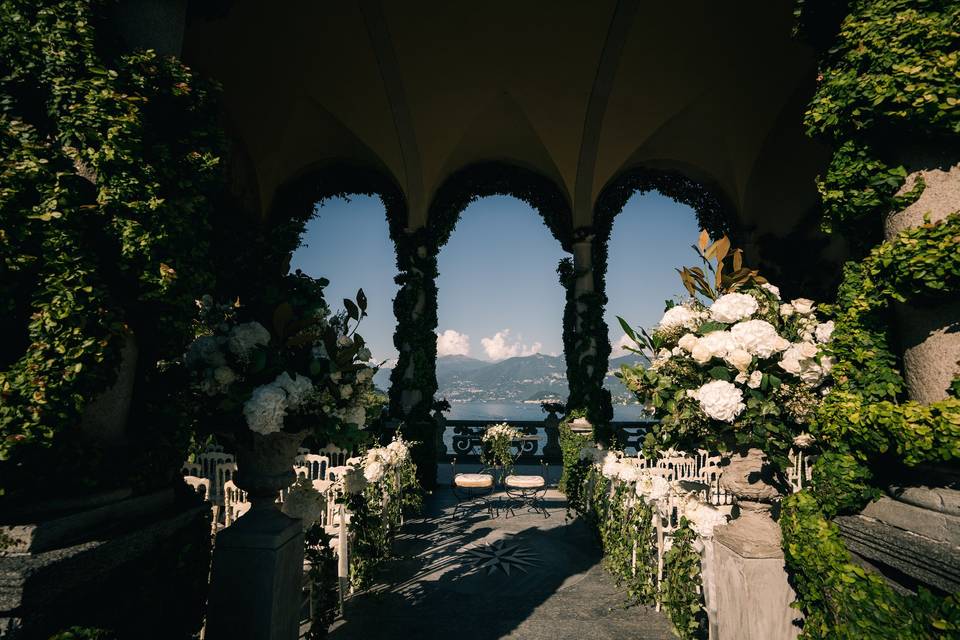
x,y
914,528
929,335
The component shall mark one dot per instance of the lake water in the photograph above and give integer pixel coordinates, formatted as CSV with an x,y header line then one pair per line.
x,y
520,411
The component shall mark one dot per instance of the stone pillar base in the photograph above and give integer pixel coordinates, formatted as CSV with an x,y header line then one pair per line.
x,y
256,579
753,596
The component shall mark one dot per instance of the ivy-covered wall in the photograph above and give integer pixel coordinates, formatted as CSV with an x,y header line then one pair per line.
x,y
887,92
108,161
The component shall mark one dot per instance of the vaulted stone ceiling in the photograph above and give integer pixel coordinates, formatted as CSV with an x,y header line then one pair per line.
x,y
577,91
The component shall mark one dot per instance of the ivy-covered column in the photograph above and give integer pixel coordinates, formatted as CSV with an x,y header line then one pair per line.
x,y
585,334
413,381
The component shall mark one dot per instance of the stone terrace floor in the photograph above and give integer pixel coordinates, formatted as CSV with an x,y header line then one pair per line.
x,y
556,587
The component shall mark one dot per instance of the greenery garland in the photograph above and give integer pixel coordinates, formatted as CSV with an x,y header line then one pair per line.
x,y
322,574
574,469
109,159
682,586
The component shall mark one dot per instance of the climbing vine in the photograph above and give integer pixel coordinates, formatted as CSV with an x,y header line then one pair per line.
x,y
682,586
887,84
109,159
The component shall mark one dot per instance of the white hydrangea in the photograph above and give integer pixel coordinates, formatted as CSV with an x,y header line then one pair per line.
x,y
755,379
772,289
803,306
759,338
720,343
703,518
721,400
801,360
303,502
733,307
824,331
679,316
652,487
245,337
373,471
265,409
205,350
687,342
297,388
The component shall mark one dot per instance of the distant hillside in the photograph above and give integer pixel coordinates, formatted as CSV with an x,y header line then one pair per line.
x,y
539,376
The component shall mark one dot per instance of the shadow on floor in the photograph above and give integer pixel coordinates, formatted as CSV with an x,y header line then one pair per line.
x,y
481,578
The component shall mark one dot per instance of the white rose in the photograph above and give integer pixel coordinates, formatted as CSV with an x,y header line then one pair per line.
x,y
687,342
364,355
701,353
803,306
759,338
800,360
741,378
786,310
704,519
824,331
772,289
664,354
721,400
346,391
739,359
678,316
733,307
344,342
755,378
373,472
651,487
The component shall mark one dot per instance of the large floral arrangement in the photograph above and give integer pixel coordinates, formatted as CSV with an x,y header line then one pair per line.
x,y
496,445
310,373
733,366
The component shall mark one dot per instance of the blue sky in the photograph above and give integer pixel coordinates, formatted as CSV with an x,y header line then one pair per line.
x,y
498,289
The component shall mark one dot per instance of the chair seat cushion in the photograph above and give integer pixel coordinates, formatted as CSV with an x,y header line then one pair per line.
x,y
473,480
524,482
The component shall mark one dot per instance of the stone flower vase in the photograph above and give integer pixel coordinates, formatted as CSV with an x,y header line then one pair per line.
x,y
753,594
265,465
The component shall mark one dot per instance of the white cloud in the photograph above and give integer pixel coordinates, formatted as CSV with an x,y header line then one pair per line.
x,y
453,343
500,346
618,348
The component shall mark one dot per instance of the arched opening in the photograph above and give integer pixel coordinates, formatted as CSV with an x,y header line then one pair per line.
x,y
649,238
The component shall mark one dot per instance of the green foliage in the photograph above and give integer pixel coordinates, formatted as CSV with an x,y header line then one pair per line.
x,y
83,633
109,159
682,586
574,469
890,77
325,589
842,601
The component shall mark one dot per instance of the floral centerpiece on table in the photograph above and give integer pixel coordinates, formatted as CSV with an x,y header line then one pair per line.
x,y
734,366
309,373
496,444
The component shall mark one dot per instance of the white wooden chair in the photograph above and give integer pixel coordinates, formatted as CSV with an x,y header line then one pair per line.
x,y
192,469
235,503
200,485
338,457
312,466
223,473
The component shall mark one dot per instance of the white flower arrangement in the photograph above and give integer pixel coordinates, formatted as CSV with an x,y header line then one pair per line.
x,y
501,430
733,360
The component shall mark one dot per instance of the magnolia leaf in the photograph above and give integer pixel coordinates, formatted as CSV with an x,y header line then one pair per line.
x,y
703,241
719,276
722,247
685,279
362,300
352,311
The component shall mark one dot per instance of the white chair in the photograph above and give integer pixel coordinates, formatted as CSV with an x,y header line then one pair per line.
x,y
200,485
312,466
209,460
338,457
192,469
235,503
223,473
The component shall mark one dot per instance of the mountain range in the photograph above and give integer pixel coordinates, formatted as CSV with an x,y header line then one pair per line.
x,y
522,379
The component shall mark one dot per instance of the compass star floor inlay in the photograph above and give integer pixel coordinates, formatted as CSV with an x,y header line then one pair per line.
x,y
503,556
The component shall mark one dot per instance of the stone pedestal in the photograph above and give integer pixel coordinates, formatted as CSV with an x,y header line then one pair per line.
x,y
135,565
256,578
751,597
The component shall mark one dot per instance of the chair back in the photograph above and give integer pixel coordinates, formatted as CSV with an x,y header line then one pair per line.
x,y
224,472
235,503
312,466
192,469
200,485
337,456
